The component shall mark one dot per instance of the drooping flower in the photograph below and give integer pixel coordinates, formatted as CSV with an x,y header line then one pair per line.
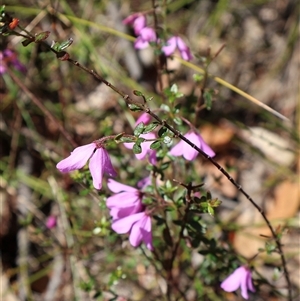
x,y
146,150
9,57
99,164
241,277
189,153
146,35
138,22
139,226
126,201
51,221
177,42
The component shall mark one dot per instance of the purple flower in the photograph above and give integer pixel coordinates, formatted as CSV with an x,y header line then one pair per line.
x,y
146,150
99,162
145,118
143,183
146,35
139,226
131,18
126,201
189,153
9,57
241,277
177,42
51,221
138,22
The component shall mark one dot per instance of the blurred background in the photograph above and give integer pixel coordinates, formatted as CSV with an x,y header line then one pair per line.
x,y
55,236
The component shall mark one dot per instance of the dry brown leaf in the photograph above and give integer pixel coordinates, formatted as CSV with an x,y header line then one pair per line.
x,y
286,201
284,205
217,136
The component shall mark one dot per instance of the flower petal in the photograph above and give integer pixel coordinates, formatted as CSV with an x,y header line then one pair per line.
x,y
233,281
244,289
189,152
140,43
147,35
123,199
77,158
124,225
249,283
145,118
177,150
139,23
147,234
107,167
119,213
115,186
131,18
141,231
206,148
143,183
184,50
170,46
96,166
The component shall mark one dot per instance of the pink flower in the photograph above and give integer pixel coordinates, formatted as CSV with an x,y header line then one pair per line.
x,y
126,201
131,18
146,150
138,22
51,221
143,183
145,118
241,277
177,42
9,57
189,153
139,226
146,35
99,162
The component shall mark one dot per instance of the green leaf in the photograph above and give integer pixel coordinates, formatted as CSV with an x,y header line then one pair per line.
x,y
64,45
215,203
177,120
134,108
167,140
42,36
210,210
127,139
197,77
138,93
208,99
139,129
27,42
150,127
55,46
165,108
118,137
155,145
162,131
174,89
165,165
137,149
